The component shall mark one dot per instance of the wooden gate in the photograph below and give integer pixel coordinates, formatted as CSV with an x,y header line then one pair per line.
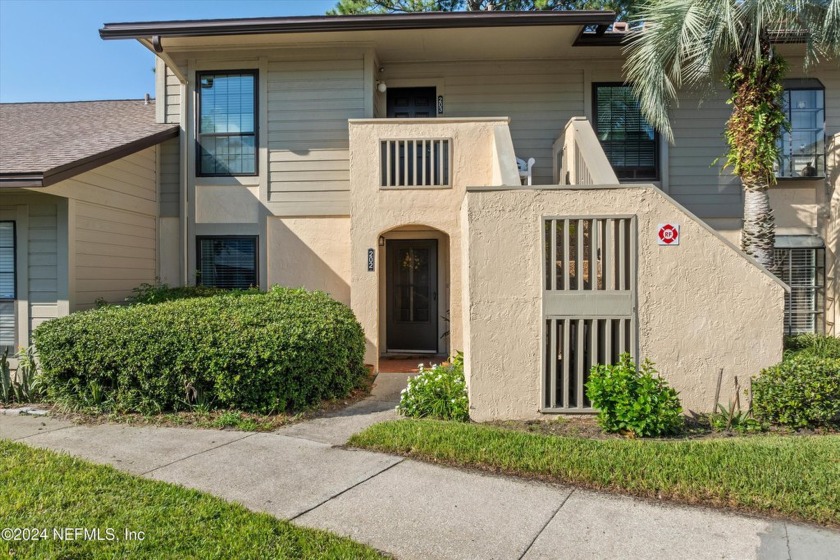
x,y
589,303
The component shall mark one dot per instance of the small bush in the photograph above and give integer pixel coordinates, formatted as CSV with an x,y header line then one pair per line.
x,y
267,352
439,393
802,391
824,346
24,386
734,420
633,401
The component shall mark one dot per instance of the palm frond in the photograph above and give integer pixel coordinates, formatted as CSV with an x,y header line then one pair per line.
x,y
691,43
677,47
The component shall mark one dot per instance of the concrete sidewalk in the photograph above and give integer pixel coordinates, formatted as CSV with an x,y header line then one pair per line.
x,y
412,509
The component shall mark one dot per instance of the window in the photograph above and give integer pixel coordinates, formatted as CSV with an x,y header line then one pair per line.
x,y
802,267
227,262
227,125
631,144
7,286
802,149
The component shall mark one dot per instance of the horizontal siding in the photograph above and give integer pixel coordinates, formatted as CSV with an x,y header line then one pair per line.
x,y
539,97
694,181
309,103
43,263
170,178
172,98
115,234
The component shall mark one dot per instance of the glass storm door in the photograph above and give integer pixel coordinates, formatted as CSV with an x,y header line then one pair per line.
x,y
412,292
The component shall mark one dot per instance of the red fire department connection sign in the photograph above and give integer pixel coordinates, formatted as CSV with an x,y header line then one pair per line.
x,y
669,234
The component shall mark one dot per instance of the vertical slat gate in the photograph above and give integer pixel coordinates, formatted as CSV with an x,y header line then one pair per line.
x,y
589,303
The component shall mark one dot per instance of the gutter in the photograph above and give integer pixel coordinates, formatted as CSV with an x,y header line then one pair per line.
x,y
371,22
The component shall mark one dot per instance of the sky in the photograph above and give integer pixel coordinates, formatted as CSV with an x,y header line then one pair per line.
x,y
50,50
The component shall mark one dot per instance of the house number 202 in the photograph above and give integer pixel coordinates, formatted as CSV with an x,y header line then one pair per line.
x,y
371,260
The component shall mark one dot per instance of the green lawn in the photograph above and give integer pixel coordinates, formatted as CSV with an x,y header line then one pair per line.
x,y
46,490
795,477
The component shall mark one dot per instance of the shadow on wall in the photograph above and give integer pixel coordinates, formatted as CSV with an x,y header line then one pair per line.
x,y
311,252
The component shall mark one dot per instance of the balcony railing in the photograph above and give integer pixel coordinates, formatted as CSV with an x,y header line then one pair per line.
x,y
579,158
420,162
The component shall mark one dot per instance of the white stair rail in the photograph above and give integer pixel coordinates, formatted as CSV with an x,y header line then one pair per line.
x,y
579,158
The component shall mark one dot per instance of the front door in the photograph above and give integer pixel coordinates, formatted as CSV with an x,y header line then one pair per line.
x,y
411,103
412,292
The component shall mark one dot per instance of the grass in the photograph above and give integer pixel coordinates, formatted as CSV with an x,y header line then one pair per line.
x,y
46,490
795,477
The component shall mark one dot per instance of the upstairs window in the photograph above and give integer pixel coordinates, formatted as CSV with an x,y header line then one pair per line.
x,y
630,143
227,123
227,262
802,149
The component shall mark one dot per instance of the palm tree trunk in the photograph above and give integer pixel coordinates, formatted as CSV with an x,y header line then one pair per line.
x,y
759,234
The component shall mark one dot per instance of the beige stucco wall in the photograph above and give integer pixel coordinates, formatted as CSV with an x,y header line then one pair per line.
x,y
702,305
313,253
376,211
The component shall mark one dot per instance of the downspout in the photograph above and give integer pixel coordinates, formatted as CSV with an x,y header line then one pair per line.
x,y
155,44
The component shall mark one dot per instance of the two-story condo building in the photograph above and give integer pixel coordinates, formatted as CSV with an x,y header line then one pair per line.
x,y
385,159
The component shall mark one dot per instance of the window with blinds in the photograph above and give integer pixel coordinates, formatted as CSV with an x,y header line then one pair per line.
x,y
227,262
227,125
803,269
7,285
630,143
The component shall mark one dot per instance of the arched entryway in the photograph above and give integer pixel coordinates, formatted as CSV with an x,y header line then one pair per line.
x,y
414,291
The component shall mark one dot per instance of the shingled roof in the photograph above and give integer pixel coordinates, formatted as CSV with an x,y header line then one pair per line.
x,y
43,143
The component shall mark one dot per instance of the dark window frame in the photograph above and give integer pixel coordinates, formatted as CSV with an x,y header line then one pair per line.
x,y
14,260
198,260
13,299
198,134
657,163
803,84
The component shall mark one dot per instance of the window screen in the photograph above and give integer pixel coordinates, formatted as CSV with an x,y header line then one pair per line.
x,y
802,148
630,143
227,262
803,269
7,285
227,137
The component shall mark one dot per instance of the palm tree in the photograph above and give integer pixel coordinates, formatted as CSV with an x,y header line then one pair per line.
x,y
695,43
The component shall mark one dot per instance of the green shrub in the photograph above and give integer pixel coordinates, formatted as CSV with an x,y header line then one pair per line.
x,y
159,293
267,352
824,346
439,393
24,386
800,392
633,401
732,419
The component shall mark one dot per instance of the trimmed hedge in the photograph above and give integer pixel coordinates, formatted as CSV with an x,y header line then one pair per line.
x,y
802,391
282,350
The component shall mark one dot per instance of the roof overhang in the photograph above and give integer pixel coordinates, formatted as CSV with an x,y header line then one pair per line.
x,y
68,170
597,38
370,22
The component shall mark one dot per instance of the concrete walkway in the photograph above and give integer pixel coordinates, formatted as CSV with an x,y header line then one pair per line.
x,y
416,510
